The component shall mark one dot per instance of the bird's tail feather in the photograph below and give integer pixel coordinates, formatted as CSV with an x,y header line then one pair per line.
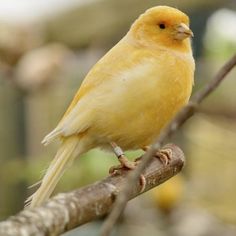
x,y
52,136
67,152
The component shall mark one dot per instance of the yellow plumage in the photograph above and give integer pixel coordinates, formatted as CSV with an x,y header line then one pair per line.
x,y
130,94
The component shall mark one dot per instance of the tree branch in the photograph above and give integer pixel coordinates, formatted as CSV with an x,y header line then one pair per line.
x,y
181,117
69,210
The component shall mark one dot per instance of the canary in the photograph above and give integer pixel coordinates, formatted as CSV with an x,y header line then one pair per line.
x,y
128,96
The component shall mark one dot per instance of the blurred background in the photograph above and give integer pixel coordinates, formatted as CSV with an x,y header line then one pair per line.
x,y
46,49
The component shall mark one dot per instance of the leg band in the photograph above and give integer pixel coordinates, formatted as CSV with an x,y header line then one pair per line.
x,y
118,151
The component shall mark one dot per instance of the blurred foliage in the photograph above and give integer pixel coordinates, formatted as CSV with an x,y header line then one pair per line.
x,y
223,25
211,169
110,28
43,64
167,196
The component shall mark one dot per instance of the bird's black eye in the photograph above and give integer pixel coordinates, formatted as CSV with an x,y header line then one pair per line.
x,y
162,26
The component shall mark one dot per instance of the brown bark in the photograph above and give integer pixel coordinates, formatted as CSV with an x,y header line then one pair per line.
x,y
69,210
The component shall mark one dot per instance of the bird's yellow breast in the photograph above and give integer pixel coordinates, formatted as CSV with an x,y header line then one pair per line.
x,y
130,103
132,106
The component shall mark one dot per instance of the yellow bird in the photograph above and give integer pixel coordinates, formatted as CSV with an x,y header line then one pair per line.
x,y
128,96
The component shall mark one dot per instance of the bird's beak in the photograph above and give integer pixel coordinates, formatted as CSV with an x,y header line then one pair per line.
x,y
183,32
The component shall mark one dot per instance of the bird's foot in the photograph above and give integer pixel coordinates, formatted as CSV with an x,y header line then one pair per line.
x,y
164,155
126,164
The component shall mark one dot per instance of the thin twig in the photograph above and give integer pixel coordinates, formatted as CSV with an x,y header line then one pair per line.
x,y
180,118
69,210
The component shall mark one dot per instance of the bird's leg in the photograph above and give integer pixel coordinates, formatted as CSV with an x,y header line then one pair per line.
x,y
164,154
125,164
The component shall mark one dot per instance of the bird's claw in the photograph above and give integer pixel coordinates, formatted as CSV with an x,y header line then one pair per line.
x,y
128,165
143,182
164,155
125,164
116,170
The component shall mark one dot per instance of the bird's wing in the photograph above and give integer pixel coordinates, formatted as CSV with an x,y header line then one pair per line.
x,y
79,115
121,57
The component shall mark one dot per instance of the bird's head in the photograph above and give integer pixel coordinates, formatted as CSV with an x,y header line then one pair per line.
x,y
164,27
